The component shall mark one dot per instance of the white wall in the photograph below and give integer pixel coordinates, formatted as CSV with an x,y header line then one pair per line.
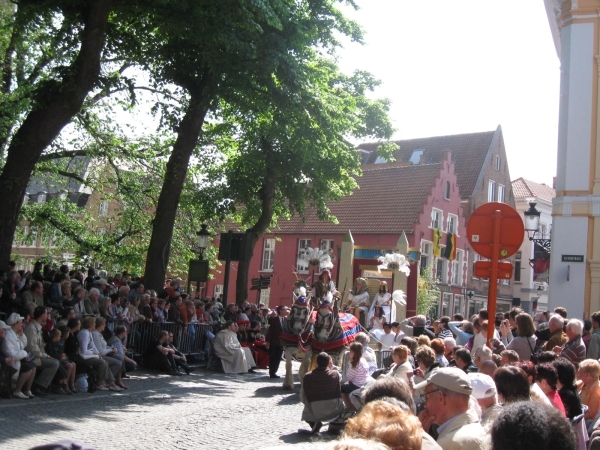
x,y
569,237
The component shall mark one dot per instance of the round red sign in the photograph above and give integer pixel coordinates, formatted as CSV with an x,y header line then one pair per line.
x,y
480,230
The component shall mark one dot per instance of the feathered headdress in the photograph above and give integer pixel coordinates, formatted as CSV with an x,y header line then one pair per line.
x,y
393,261
315,257
399,297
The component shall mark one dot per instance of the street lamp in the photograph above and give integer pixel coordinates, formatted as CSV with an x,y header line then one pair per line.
x,y
532,226
203,236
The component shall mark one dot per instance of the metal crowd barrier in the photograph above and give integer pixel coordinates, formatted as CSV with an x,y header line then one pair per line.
x,y
384,358
190,339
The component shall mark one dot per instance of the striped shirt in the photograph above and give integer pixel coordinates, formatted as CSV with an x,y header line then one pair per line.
x,y
358,375
574,351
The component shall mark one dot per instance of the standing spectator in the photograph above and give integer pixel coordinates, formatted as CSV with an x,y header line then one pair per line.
x,y
525,341
484,391
174,312
441,329
593,351
137,289
557,335
273,340
464,333
512,384
464,360
567,388
482,354
446,396
438,346
587,332
588,373
415,327
320,393
47,366
574,349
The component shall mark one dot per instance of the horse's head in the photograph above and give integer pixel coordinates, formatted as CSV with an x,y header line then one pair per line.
x,y
298,319
325,324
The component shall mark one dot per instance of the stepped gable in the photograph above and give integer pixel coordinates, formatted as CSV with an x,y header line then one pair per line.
x,y
389,199
469,153
523,188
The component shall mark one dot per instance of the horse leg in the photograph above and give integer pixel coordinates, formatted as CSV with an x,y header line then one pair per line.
x,y
288,381
305,366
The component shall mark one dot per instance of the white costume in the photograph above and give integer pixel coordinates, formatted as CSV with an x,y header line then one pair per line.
x,y
357,299
389,307
235,358
14,347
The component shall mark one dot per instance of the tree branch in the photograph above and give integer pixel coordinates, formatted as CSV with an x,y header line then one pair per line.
x,y
63,173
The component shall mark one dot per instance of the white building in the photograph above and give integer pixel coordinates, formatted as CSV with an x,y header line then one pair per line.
x,y
533,294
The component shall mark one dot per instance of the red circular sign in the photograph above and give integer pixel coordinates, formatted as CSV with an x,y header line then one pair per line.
x,y
480,230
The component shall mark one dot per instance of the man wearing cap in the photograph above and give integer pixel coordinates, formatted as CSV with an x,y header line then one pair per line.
x,y
446,399
484,391
415,327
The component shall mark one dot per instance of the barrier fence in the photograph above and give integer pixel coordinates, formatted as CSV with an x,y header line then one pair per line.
x,y
190,339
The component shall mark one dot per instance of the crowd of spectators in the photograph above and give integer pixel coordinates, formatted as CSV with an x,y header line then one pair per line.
x,y
66,331
535,386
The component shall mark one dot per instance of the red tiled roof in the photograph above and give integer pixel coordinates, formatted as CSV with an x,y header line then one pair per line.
x,y
389,199
523,188
469,152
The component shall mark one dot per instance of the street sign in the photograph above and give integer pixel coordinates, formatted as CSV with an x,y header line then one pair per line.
x,y
470,294
483,269
481,225
572,258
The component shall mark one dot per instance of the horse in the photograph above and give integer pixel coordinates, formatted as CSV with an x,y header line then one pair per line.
x,y
313,325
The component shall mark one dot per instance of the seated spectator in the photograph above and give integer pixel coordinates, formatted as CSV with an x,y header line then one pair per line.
x,y
180,359
401,368
411,343
90,353
256,341
557,336
547,378
66,372
92,305
234,357
446,398
368,353
33,297
512,385
13,342
121,353
439,349
527,425
567,388
574,349
463,360
463,331
320,393
426,365
588,373
158,356
423,340
386,423
107,353
357,374
160,310
509,358
55,296
387,339
47,366
484,391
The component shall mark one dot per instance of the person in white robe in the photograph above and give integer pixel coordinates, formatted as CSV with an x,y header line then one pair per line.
x,y
358,299
234,357
383,300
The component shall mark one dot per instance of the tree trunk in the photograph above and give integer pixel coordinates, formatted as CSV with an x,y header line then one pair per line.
x,y
159,249
57,103
267,193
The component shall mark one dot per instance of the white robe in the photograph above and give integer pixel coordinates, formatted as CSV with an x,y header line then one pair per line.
x,y
235,358
389,310
357,299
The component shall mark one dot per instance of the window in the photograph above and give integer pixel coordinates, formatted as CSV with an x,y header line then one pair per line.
x,y
457,269
459,304
492,191
218,290
303,244
265,294
446,301
501,193
268,254
436,219
517,271
441,270
452,224
103,208
41,198
327,245
415,157
498,163
426,249
447,191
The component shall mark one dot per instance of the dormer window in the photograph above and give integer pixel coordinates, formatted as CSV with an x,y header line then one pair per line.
x,y
41,198
447,191
415,157
498,163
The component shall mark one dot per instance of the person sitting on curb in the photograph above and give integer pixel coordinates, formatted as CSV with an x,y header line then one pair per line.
x,y
320,393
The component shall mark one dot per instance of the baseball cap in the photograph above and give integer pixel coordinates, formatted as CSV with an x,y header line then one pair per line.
x,y
483,385
4,326
14,318
450,378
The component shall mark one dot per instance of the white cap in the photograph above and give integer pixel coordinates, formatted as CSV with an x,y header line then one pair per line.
x,y
450,378
4,326
483,385
14,318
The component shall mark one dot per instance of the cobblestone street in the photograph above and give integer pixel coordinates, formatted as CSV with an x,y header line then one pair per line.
x,y
206,410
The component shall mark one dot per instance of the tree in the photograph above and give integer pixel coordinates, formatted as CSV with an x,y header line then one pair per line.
x,y
42,92
428,294
230,51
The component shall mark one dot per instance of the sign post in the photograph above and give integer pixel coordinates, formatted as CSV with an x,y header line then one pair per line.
x,y
495,231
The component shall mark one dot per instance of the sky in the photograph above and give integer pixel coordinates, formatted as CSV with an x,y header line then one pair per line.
x,y
465,66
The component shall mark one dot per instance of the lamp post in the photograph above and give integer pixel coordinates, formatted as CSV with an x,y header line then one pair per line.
x,y
532,226
198,270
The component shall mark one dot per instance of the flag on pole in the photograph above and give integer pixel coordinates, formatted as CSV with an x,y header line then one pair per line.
x,y
450,251
437,237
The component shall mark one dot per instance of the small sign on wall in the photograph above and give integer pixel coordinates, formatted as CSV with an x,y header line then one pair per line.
x,y
573,258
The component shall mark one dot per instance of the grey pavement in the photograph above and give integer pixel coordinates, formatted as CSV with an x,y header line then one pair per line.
x,y
206,410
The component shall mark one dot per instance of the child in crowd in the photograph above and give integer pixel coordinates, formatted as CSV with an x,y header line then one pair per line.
x,y
56,349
